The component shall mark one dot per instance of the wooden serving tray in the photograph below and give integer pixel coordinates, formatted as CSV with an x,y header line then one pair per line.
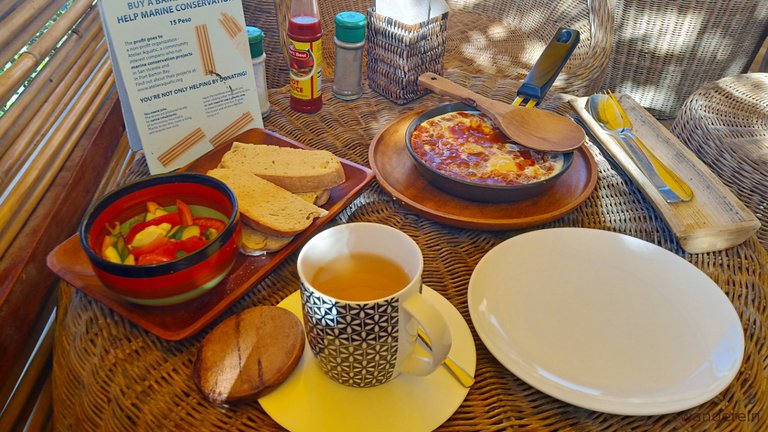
x,y
398,175
177,322
714,219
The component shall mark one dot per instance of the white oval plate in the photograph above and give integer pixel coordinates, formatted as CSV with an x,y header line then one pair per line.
x,y
310,401
605,321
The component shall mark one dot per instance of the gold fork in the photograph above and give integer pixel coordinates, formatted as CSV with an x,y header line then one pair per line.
x,y
678,185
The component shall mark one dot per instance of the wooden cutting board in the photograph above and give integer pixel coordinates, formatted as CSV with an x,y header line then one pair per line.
x,y
714,219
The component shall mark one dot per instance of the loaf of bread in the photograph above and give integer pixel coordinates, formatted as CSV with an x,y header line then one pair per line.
x,y
293,169
267,207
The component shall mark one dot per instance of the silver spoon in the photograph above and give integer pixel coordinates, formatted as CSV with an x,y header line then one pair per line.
x,y
463,376
604,110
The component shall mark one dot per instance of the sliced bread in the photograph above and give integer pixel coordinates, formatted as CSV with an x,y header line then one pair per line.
x,y
317,198
256,243
293,169
267,207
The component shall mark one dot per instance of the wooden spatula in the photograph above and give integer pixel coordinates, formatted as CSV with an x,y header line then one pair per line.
x,y
530,127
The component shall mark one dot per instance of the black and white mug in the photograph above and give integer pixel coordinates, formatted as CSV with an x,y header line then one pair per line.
x,y
365,343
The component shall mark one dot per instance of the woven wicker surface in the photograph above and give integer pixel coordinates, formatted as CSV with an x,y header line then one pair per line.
x,y
503,38
664,50
726,124
111,375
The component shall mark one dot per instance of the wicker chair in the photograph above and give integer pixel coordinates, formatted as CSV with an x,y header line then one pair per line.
x,y
262,14
726,124
483,37
663,50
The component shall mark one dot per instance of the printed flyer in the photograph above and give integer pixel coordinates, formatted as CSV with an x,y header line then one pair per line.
x,y
183,73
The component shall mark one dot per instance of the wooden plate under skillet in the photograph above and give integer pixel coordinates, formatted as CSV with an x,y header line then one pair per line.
x,y
398,175
177,322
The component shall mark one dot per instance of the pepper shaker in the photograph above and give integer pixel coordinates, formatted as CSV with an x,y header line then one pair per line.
x,y
349,41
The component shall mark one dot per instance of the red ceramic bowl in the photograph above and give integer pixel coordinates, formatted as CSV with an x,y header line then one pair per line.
x,y
169,282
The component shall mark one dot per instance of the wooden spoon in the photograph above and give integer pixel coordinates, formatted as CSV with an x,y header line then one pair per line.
x,y
530,127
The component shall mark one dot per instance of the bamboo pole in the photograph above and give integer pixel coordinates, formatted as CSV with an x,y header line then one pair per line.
x,y
14,76
21,22
48,114
26,133
15,18
25,110
18,202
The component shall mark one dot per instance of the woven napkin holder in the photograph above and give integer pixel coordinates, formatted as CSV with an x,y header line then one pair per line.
x,y
398,53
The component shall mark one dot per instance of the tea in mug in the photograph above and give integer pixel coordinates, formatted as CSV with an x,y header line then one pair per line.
x,y
360,277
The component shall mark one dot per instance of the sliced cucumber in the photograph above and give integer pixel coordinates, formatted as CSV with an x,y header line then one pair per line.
x,y
190,231
175,233
126,226
122,250
211,234
154,214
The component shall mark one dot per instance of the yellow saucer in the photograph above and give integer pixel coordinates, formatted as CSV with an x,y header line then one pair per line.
x,y
310,401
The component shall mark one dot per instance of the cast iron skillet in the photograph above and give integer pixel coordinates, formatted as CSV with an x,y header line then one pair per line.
x,y
469,190
534,88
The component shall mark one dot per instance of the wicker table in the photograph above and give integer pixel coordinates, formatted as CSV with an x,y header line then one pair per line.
x,y
111,375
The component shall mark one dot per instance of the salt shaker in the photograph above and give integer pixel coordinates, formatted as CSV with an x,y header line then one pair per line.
x,y
349,41
256,42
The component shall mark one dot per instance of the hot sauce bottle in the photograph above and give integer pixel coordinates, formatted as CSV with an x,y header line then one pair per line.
x,y
305,53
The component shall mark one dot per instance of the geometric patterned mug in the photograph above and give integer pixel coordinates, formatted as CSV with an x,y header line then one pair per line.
x,y
368,343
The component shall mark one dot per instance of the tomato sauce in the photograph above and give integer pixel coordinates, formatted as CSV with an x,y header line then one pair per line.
x,y
306,56
468,146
